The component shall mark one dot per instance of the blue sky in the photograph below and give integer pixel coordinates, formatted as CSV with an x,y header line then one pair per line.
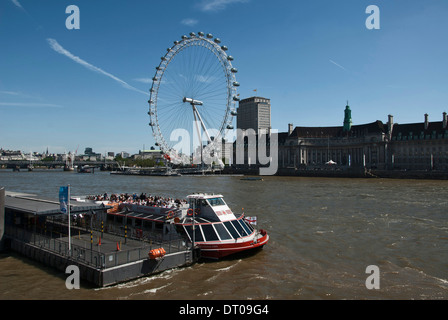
x,y
67,89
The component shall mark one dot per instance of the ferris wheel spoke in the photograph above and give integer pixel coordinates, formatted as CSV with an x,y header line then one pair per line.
x,y
175,86
204,64
208,75
212,86
216,94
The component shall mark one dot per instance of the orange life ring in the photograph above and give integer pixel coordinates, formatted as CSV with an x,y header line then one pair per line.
x,y
170,215
190,212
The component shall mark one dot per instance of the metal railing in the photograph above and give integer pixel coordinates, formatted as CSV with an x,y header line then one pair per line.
x,y
92,257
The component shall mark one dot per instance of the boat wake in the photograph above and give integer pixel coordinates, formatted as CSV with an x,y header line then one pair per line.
x,y
166,275
229,267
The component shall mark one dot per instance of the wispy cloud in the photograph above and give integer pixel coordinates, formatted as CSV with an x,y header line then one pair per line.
x,y
143,80
11,93
337,64
217,5
17,4
204,79
189,22
21,95
29,104
59,49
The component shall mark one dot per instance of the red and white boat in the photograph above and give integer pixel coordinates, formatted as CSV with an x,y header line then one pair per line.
x,y
213,227
205,219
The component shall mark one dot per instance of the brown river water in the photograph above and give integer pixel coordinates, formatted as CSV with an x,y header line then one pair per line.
x,y
324,233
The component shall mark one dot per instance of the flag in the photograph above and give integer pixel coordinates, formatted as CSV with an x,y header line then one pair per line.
x,y
251,220
63,199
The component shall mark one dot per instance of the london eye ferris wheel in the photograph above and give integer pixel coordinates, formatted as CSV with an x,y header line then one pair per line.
x,y
193,96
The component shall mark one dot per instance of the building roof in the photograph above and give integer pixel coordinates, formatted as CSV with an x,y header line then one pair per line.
x,y
418,128
30,204
333,132
250,99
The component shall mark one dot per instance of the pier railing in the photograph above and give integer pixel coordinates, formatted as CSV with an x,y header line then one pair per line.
x,y
91,254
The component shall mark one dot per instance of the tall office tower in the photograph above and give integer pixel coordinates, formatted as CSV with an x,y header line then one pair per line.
x,y
254,113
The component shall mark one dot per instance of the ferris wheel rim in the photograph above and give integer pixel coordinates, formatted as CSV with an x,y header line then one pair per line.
x,y
228,70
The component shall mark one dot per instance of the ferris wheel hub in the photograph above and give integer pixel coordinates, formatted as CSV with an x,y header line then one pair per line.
x,y
192,101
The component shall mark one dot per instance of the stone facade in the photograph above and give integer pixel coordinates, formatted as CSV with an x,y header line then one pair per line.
x,y
413,146
362,145
419,146
375,145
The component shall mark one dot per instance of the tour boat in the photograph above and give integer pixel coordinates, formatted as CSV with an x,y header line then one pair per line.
x,y
205,219
214,228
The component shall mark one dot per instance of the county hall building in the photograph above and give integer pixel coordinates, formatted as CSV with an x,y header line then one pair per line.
x,y
376,145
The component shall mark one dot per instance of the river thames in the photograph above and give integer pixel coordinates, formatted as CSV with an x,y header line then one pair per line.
x,y
324,233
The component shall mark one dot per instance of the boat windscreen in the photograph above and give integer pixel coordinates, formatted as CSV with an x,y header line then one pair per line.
x,y
209,232
232,230
197,233
238,227
246,226
216,202
222,232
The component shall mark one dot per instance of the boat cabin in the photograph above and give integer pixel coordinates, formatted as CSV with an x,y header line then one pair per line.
x,y
213,219
209,207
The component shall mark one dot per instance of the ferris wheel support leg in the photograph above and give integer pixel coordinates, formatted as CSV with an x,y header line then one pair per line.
x,y
198,130
195,111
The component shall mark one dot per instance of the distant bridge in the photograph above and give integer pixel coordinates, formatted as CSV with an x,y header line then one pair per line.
x,y
12,164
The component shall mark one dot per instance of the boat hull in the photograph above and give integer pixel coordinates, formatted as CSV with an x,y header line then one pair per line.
x,y
221,250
